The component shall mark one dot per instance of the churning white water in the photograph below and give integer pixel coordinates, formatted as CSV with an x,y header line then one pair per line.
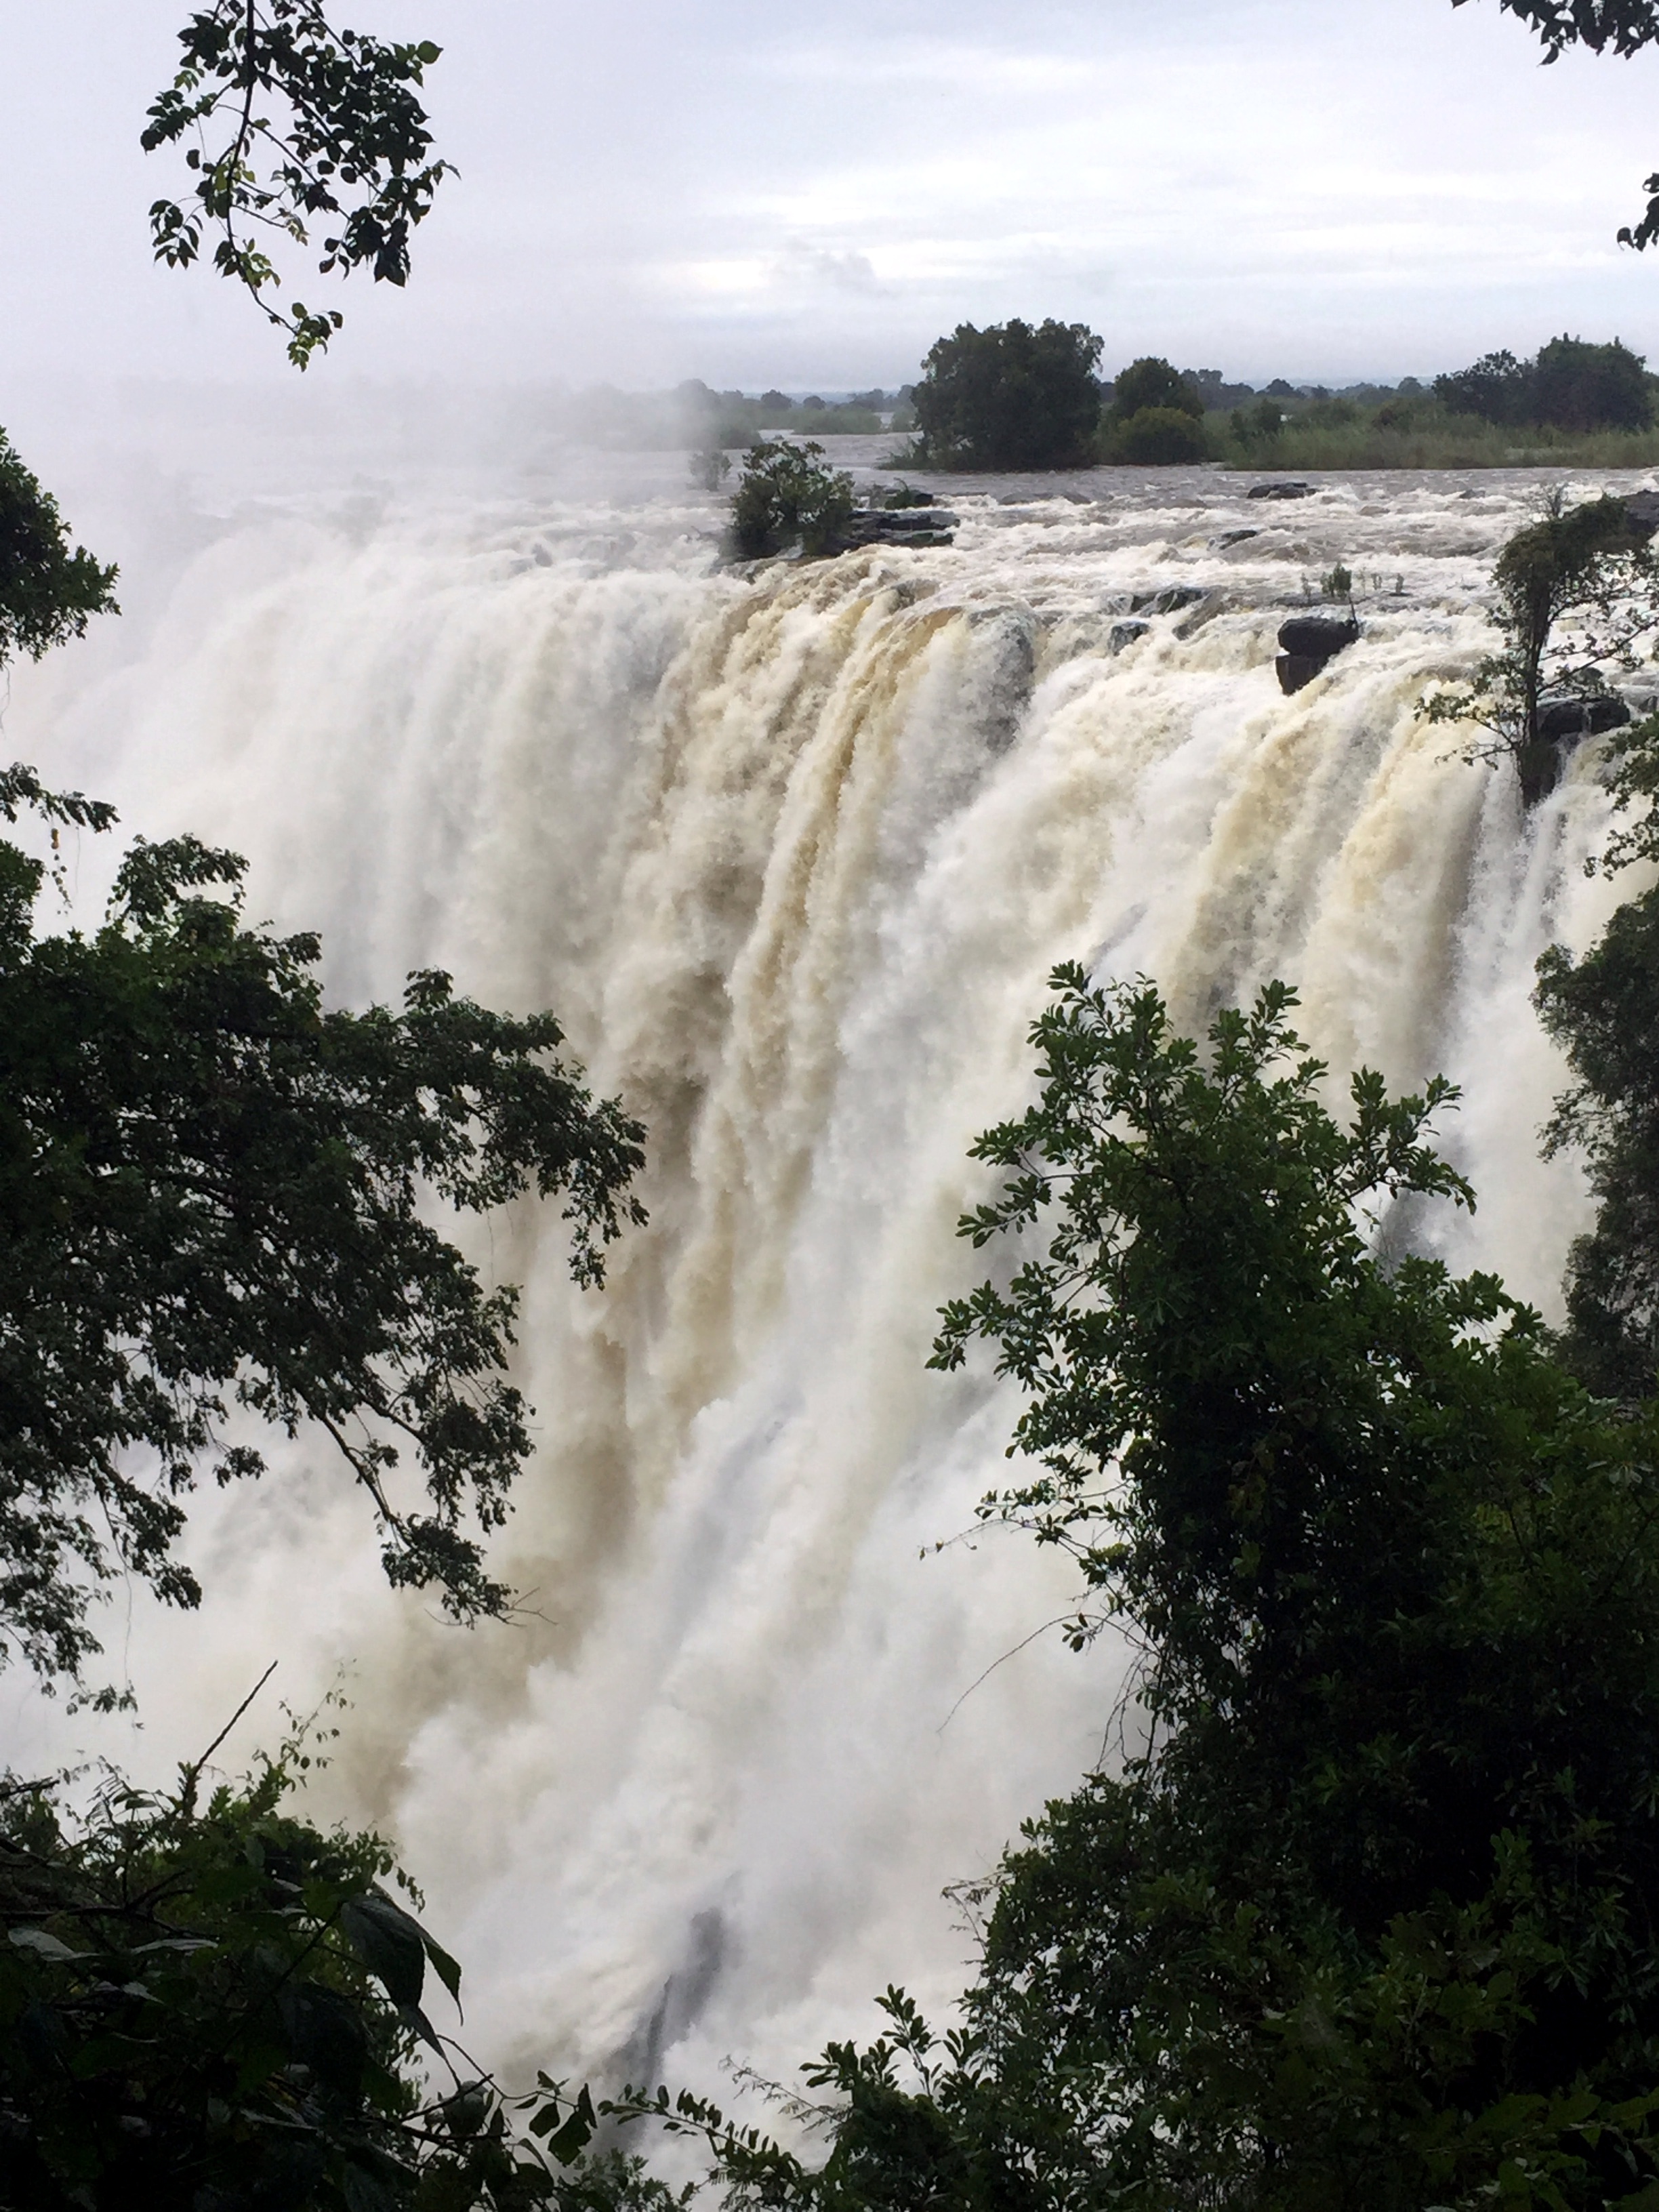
x,y
791,853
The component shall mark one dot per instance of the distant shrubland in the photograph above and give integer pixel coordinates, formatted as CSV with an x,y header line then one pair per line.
x,y
1574,403
1021,396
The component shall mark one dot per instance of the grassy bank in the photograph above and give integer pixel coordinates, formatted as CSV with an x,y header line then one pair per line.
x,y
1312,441
1450,442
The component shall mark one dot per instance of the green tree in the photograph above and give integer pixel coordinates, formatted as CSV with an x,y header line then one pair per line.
x,y
1153,382
1603,1011
1014,396
210,1196
1591,387
287,122
47,591
1259,425
1571,385
1591,560
786,496
1497,388
1364,1920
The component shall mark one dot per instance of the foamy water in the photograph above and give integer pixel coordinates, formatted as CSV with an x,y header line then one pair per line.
x,y
791,853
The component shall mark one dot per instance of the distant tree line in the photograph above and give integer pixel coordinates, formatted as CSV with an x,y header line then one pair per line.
x,y
1023,395
1569,384
1017,396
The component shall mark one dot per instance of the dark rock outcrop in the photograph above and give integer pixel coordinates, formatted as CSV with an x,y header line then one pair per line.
x,y
1562,723
1291,487
1235,537
1306,642
1169,599
1125,633
1582,718
903,526
1642,508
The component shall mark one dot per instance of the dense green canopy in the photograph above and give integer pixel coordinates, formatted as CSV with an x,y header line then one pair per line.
x,y
210,1197
48,592
1014,396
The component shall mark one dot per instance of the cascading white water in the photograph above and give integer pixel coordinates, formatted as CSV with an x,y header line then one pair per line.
x,y
792,854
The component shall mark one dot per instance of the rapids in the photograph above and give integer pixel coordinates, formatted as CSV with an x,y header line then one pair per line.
x,y
791,853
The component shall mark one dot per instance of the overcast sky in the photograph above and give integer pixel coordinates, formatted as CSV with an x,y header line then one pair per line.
x,y
809,195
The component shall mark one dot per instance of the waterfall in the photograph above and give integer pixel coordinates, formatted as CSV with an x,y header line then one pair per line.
x,y
791,853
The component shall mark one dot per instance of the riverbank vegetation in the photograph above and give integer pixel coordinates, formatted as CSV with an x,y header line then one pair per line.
x,y
1573,404
983,405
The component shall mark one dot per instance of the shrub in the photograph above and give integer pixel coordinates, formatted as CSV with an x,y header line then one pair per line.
x,y
1159,435
1333,414
785,497
710,468
1011,397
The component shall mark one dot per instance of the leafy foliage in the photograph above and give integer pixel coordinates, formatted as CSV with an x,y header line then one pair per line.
x,y
1571,385
219,2005
210,1195
1009,397
1626,26
1591,560
285,121
1153,382
47,593
1604,1010
1364,1922
786,496
1497,387
1259,425
1159,435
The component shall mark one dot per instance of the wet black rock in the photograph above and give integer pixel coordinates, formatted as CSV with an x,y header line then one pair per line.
x,y
1582,718
1562,723
1289,489
904,525
1642,508
1306,642
1166,601
1235,537
1125,633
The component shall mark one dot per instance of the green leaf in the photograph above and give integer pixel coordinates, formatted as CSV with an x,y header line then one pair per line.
x,y
389,1943
443,1967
